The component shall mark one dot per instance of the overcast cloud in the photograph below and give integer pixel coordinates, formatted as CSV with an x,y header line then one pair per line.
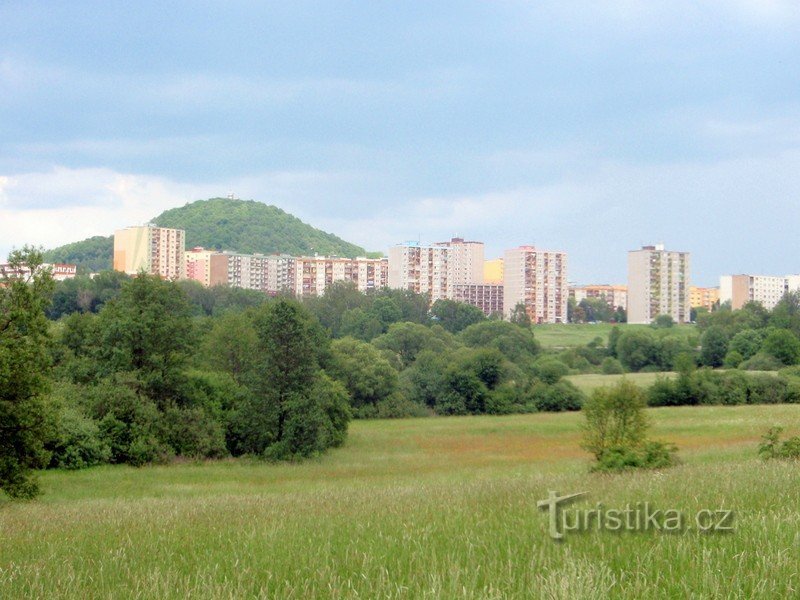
x,y
591,127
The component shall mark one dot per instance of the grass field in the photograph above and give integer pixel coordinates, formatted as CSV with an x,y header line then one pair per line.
x,y
590,381
425,508
565,335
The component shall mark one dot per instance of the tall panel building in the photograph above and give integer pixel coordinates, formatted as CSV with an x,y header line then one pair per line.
x,y
154,250
658,284
767,290
421,269
537,279
465,263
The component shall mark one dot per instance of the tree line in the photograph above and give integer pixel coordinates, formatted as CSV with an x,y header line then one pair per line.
x,y
140,370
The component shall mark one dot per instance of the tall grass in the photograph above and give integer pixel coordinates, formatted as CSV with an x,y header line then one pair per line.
x,y
429,508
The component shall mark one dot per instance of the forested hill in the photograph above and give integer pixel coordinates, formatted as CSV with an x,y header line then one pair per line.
x,y
239,225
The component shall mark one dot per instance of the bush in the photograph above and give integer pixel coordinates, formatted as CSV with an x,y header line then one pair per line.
x,y
399,407
77,442
549,369
128,421
761,362
637,349
732,360
772,447
557,397
616,427
193,433
611,366
767,389
783,345
368,377
651,455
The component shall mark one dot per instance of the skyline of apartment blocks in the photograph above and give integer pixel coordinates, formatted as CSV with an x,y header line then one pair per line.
x,y
764,289
155,250
658,284
59,271
421,269
314,274
464,262
703,297
268,273
616,296
538,279
486,296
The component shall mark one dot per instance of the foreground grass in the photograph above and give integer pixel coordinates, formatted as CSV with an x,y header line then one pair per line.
x,y
427,508
566,335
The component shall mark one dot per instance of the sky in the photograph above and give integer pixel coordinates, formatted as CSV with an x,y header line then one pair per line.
x,y
591,127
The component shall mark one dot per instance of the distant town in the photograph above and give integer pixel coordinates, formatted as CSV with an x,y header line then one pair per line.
x,y
659,280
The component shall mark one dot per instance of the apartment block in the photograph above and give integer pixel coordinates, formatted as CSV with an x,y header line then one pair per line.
x,y
493,271
616,296
486,296
767,290
421,269
154,250
281,273
59,271
465,262
198,264
658,284
314,274
703,297
538,279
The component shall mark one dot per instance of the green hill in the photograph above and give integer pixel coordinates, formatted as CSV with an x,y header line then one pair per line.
x,y
239,225
91,255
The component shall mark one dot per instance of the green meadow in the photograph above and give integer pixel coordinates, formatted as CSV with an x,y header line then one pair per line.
x,y
419,508
567,335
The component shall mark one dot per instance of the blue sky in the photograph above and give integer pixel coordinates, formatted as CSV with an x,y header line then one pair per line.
x,y
591,127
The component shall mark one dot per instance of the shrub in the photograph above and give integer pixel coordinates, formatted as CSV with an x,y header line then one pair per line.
x,y
77,442
766,389
714,344
783,345
636,349
399,407
368,377
193,433
772,447
614,418
747,342
761,362
611,366
732,359
549,369
616,427
557,397
651,455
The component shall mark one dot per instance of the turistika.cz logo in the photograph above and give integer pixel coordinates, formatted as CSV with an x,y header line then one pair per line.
x,y
640,516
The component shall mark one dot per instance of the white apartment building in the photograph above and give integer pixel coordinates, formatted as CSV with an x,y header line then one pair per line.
x,y
767,290
421,269
465,263
658,284
154,250
538,279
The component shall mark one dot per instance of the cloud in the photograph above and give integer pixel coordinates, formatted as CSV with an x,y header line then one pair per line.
x,y
64,205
